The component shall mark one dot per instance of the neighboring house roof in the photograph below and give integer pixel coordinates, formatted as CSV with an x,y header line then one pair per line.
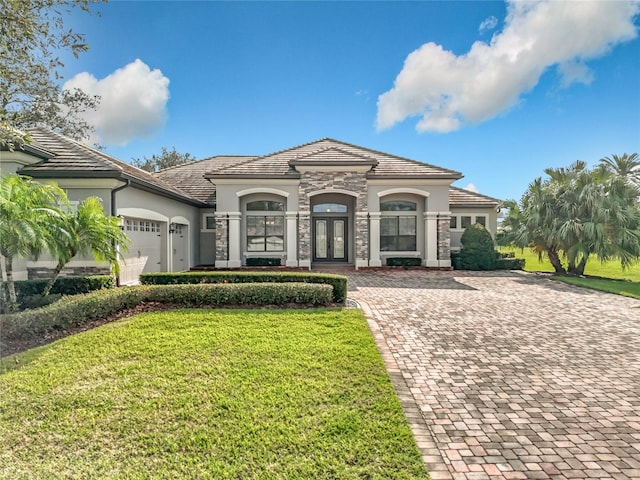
x,y
189,177
72,159
459,197
328,151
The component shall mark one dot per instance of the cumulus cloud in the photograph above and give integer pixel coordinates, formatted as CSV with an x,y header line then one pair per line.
x,y
449,90
471,188
132,105
487,24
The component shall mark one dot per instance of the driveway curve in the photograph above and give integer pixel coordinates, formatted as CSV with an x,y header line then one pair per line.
x,y
510,375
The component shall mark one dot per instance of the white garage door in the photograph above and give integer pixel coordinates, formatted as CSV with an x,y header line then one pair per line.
x,y
145,249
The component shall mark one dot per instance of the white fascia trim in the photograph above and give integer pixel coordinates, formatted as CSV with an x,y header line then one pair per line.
x,y
250,191
108,183
393,191
333,168
142,213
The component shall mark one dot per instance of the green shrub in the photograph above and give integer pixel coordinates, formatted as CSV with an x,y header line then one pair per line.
x,y
507,263
64,285
337,282
37,301
264,262
77,310
478,251
404,262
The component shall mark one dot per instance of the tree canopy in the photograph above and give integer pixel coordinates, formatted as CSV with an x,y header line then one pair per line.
x,y
33,37
577,213
167,158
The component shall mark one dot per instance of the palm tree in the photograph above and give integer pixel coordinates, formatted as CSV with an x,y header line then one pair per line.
x,y
88,231
24,206
627,166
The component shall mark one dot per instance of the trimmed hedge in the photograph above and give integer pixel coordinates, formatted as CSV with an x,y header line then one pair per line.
x,y
65,285
507,263
76,310
264,262
404,262
337,282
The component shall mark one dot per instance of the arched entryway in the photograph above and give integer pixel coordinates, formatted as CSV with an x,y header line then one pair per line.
x,y
332,228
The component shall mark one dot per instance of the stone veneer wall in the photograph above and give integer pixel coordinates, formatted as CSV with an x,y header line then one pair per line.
x,y
311,182
222,238
35,273
444,238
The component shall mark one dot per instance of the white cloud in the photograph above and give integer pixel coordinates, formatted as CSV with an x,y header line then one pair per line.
x,y
132,105
471,188
487,24
449,91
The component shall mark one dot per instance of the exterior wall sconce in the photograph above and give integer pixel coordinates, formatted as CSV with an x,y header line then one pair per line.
x,y
172,228
121,218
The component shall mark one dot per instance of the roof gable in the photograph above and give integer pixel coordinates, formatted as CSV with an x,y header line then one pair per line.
x,y
330,151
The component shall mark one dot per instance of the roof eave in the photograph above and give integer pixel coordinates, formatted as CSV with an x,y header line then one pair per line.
x,y
233,176
442,176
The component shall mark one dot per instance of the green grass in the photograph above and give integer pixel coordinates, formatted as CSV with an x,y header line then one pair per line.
x,y
207,394
594,267
619,287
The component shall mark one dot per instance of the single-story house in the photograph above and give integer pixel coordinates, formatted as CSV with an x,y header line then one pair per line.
x,y
323,202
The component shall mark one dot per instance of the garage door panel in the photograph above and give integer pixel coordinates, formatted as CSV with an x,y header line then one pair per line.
x,y
145,249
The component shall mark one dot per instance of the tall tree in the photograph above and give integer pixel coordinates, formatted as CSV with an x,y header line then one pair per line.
x,y
86,231
33,37
24,204
167,158
576,214
627,166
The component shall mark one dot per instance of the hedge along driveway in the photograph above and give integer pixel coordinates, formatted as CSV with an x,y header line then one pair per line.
x,y
337,282
76,310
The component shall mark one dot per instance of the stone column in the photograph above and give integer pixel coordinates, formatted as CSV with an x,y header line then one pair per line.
x,y
234,240
304,239
431,239
444,239
222,240
362,239
292,239
374,239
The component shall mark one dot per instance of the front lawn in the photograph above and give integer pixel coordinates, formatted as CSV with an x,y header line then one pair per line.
x,y
207,394
595,267
619,287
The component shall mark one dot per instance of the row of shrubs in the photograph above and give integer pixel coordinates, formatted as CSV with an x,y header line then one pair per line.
x,y
337,282
29,292
76,310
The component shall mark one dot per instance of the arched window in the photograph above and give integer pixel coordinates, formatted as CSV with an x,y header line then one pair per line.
x,y
329,208
398,231
265,226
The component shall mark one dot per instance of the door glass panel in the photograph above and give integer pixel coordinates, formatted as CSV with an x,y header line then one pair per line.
x,y
338,239
321,238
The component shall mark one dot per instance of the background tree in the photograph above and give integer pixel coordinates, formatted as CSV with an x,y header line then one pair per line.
x,y
166,159
86,231
24,204
32,38
577,213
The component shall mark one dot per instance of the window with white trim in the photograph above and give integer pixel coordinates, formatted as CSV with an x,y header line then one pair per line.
x,y
398,231
208,222
265,226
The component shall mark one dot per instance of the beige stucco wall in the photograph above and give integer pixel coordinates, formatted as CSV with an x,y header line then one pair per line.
x,y
490,214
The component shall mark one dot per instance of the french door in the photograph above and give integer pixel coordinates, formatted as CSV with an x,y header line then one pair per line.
x,y
330,239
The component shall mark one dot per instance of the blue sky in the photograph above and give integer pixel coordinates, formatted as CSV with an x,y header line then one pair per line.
x,y
498,91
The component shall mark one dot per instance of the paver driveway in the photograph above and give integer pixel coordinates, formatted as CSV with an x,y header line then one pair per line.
x,y
510,375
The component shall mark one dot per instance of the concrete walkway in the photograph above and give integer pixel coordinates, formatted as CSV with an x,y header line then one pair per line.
x,y
510,375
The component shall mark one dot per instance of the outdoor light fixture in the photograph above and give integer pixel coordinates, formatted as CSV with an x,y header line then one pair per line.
x,y
121,218
172,228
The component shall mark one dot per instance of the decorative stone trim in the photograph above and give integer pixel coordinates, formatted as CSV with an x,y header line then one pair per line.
x,y
35,273
222,239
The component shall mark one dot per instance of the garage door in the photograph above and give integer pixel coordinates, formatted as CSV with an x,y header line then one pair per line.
x,y
145,249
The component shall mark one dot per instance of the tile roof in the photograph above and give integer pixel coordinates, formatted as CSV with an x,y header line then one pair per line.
x,y
459,197
281,164
71,159
189,177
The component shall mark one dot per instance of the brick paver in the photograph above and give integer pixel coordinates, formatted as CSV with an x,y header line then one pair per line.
x,y
510,375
